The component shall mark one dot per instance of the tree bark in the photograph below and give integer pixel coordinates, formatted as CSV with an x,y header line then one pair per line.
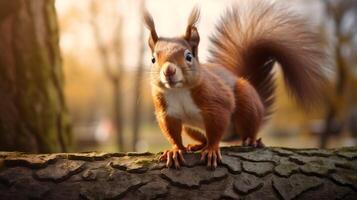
x,y
245,173
33,115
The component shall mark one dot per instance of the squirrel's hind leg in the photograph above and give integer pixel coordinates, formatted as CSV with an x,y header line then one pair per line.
x,y
249,113
197,136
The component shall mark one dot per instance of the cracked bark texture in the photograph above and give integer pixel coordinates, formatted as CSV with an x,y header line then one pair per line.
x,y
33,115
245,173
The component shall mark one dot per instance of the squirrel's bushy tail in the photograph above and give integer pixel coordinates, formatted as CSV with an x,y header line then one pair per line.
x,y
250,38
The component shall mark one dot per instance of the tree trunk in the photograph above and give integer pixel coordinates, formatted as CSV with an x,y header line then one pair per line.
x,y
32,108
118,49
245,173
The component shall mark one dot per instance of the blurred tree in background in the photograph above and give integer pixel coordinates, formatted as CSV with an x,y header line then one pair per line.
x,y
114,73
341,111
137,105
33,114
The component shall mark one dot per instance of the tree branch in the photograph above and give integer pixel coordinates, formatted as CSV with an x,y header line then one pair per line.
x,y
268,173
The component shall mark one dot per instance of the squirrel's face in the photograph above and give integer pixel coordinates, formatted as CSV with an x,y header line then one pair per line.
x,y
175,63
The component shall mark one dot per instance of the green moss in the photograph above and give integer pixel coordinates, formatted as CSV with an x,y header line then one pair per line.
x,y
144,161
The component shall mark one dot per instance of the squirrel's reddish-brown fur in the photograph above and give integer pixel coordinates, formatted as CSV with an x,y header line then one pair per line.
x,y
236,86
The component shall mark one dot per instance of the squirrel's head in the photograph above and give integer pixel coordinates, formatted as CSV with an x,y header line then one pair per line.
x,y
174,60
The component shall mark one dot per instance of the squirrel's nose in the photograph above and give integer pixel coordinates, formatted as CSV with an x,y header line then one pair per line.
x,y
169,71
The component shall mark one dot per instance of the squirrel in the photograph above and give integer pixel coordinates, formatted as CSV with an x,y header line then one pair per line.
x,y
236,86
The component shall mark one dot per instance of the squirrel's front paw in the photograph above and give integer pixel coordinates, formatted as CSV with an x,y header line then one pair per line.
x,y
213,155
173,156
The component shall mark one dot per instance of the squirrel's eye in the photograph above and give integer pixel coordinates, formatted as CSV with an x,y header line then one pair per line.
x,y
153,60
188,56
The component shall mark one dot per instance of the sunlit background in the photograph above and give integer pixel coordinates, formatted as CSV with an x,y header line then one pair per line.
x,y
106,64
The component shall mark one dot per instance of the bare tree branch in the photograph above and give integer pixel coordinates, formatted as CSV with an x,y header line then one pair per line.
x,y
103,52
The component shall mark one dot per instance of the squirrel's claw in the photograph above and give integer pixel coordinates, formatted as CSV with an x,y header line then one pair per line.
x,y
253,143
260,143
213,155
173,156
163,156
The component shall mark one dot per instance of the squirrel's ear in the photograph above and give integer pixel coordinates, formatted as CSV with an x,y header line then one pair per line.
x,y
192,36
149,23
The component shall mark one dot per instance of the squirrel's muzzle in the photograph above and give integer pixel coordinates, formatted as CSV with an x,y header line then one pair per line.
x,y
171,75
169,70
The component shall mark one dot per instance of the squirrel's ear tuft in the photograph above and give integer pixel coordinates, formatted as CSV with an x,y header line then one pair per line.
x,y
192,36
149,23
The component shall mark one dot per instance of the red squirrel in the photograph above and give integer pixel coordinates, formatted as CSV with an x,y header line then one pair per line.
x,y
236,85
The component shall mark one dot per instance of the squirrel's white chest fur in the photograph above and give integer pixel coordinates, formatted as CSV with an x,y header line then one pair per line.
x,y
181,105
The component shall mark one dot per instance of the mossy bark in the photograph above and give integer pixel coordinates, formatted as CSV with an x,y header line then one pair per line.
x,y
32,107
245,173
